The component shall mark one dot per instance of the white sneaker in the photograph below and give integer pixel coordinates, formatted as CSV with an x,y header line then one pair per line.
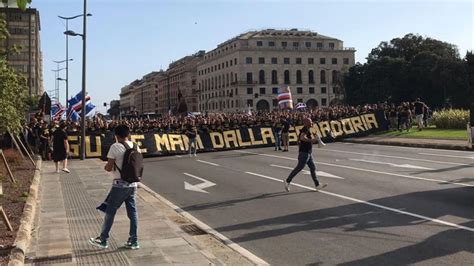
x,y
57,171
321,186
287,186
195,155
66,170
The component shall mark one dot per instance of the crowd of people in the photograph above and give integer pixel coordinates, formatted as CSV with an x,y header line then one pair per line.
x,y
39,132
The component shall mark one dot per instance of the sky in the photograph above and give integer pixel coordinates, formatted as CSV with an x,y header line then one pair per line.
x,y
126,39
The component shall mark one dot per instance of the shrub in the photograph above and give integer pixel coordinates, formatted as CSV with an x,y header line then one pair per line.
x,y
451,118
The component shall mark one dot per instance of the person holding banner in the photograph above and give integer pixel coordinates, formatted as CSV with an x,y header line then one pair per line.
x,y
305,157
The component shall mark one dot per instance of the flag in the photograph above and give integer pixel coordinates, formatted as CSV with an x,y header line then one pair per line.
x,y
57,111
285,100
76,99
249,110
89,107
300,106
74,116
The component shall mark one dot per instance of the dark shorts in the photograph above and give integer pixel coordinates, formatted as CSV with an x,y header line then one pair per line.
x,y
60,155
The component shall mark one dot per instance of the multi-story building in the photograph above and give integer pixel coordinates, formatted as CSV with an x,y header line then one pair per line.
x,y
126,99
146,93
24,28
179,79
248,70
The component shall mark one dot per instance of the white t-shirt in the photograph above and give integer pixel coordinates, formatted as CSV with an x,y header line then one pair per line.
x,y
116,152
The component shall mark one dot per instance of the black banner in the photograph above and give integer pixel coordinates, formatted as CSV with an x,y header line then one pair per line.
x,y
158,144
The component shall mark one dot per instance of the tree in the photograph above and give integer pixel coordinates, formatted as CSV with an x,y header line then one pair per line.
x,y
13,89
410,67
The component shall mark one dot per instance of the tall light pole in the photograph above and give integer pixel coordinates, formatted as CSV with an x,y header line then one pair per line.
x,y
67,52
56,75
83,91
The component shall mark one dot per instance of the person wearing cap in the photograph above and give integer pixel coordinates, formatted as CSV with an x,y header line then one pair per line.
x,y
305,157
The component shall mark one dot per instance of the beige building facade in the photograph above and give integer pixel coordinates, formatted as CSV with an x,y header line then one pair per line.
x,y
247,71
24,28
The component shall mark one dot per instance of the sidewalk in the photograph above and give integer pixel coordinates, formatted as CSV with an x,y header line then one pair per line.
x,y
67,218
411,142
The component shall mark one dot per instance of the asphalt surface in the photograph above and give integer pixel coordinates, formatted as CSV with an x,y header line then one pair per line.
x,y
383,205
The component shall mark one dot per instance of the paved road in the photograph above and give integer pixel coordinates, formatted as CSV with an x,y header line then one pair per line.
x,y
383,206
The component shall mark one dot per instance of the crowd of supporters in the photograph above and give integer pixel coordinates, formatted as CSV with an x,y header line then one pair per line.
x,y
38,132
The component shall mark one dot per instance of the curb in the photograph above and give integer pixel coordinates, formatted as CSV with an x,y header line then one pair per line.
x,y
221,238
414,145
23,237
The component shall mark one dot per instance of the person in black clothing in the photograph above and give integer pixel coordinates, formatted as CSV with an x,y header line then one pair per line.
x,y
60,147
44,141
305,157
191,133
419,109
285,131
277,127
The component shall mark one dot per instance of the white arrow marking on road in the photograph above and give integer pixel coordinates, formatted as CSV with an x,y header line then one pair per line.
x,y
306,172
442,155
393,165
213,164
198,187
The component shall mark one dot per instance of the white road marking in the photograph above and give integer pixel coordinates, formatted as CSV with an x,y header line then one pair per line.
x,y
199,187
366,170
393,164
394,157
413,148
306,172
179,156
206,228
446,155
426,218
213,164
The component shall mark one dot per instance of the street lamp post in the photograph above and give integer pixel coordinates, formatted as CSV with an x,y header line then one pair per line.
x,y
56,75
83,91
67,52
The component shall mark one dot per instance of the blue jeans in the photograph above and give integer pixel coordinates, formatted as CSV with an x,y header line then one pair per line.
x,y
192,142
304,158
277,140
115,199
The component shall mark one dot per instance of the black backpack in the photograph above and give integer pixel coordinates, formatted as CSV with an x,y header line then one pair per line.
x,y
132,167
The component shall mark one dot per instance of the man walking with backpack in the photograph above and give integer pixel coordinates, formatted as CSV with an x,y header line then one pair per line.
x,y
126,163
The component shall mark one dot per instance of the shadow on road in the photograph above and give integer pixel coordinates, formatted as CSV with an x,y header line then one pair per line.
x,y
453,202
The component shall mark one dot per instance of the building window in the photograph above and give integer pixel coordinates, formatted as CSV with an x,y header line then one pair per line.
x,y
331,45
310,61
259,43
274,77
284,44
261,77
274,60
323,90
319,45
271,44
345,61
262,91
298,60
299,79
231,62
334,61
261,60
311,90
311,77
334,90
299,90
307,44
323,77
286,60
287,77
296,44
300,100
274,90
248,60
322,61
324,102
249,90
235,61
334,76
250,102
249,78
226,64
275,102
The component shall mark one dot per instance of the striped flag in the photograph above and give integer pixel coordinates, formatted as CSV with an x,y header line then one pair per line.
x,y
57,111
285,100
300,106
